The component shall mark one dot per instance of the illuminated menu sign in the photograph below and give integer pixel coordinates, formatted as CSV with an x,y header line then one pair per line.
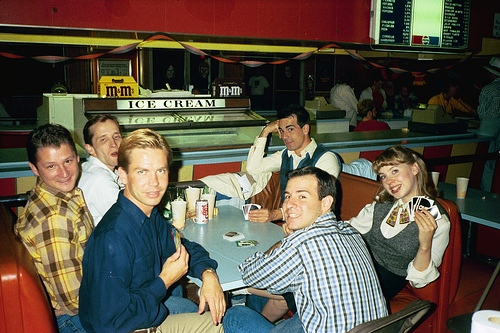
x,y
426,23
395,22
456,23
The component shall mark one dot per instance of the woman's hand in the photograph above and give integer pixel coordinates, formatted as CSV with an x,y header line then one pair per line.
x,y
426,228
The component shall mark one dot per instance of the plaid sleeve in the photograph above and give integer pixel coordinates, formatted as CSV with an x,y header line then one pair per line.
x,y
61,255
275,271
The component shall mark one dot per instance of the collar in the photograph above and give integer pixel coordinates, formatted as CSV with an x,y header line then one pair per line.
x,y
66,196
330,216
137,215
327,218
310,148
97,162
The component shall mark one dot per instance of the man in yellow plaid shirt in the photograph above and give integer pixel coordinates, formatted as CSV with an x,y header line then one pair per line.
x,y
56,224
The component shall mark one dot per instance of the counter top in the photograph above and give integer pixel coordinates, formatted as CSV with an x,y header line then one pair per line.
x,y
13,162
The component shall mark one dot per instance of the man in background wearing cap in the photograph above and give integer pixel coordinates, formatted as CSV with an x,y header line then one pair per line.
x,y
489,113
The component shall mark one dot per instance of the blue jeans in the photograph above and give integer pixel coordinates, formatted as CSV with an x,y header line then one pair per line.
x,y
176,304
241,319
256,303
69,324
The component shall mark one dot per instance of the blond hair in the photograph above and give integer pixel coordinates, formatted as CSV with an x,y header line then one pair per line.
x,y
402,155
142,139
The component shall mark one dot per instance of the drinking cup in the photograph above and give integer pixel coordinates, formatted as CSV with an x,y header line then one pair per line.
x,y
435,178
462,184
179,214
192,194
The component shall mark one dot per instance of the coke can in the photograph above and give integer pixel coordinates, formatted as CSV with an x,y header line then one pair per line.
x,y
201,211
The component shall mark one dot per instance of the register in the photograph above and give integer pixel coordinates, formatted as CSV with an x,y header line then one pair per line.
x,y
432,119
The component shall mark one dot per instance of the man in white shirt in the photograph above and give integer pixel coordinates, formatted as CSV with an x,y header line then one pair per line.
x,y
258,85
99,181
342,96
376,93
293,126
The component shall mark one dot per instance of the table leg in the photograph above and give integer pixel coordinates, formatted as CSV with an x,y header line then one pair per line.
x,y
487,288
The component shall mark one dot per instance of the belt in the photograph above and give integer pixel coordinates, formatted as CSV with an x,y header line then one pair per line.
x,y
146,330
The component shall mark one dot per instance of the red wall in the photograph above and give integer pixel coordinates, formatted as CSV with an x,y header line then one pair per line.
x,y
323,20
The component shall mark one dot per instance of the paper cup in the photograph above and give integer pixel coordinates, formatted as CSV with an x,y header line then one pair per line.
x,y
435,178
211,203
192,194
247,208
178,214
462,184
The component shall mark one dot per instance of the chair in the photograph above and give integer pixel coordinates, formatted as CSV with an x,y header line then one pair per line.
x,y
400,322
24,305
443,290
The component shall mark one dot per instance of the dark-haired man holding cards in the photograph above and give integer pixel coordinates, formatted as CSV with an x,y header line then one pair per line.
x,y
134,258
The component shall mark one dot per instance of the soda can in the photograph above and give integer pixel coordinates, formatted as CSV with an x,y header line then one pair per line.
x,y
201,211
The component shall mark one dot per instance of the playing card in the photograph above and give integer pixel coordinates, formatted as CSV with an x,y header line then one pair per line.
x,y
419,203
233,236
246,243
248,207
429,205
177,238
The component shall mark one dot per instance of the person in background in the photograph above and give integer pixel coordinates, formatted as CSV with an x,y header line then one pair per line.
x,y
258,85
55,223
293,126
450,104
403,249
342,96
489,113
368,112
134,258
172,79
201,78
389,89
324,262
376,93
406,99
99,181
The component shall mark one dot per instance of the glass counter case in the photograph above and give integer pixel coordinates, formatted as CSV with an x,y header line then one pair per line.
x,y
187,123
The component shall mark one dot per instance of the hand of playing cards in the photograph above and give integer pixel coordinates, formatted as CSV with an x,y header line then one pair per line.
x,y
419,203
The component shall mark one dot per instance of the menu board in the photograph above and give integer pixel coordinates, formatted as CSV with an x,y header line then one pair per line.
x,y
421,23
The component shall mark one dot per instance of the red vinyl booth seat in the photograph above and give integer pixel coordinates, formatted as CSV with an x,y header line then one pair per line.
x,y
451,296
24,306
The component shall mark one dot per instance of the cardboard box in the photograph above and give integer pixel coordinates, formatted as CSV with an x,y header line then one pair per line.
x,y
117,86
322,110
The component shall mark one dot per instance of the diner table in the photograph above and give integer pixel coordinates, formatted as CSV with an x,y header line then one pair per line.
x,y
226,253
477,207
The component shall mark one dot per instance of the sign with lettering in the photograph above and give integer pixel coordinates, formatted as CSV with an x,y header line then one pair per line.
x,y
170,104
117,86
228,88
